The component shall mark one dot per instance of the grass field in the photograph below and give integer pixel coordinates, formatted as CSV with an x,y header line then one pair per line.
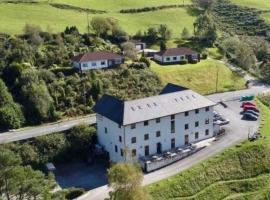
x,y
200,77
13,17
237,173
259,4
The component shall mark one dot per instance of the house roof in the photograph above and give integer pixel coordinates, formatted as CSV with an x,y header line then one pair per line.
x,y
171,102
176,52
93,56
169,88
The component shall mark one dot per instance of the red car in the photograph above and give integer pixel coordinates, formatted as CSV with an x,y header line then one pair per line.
x,y
247,103
249,107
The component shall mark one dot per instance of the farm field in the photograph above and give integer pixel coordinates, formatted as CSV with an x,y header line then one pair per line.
x,y
259,4
238,173
200,77
13,17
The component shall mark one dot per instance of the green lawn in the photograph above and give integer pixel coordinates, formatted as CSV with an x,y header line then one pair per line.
x,y
200,77
13,17
237,173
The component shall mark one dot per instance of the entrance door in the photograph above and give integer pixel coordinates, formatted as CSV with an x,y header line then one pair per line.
x,y
186,140
159,148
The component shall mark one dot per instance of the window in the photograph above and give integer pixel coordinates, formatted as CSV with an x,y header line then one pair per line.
x,y
207,132
197,111
172,126
207,109
116,148
145,123
158,120
158,134
174,58
133,140
186,113
197,135
84,65
186,126
133,152
102,62
120,138
196,124
121,152
168,59
94,64
133,126
146,136
172,117
207,121
172,143
105,130
146,150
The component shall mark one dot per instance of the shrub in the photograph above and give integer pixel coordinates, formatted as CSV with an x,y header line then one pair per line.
x,y
204,56
183,62
73,193
138,65
146,61
67,71
194,61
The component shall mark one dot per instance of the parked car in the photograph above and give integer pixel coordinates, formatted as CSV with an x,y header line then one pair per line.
x,y
222,122
247,98
252,112
249,116
248,103
246,108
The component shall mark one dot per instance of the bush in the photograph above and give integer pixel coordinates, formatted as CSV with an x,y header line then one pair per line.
x,y
204,56
146,61
194,61
138,65
73,193
67,71
183,62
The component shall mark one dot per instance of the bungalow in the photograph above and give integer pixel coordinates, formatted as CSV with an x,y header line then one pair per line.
x,y
176,55
96,60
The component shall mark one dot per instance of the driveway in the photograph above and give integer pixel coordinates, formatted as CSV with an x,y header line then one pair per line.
x,y
236,132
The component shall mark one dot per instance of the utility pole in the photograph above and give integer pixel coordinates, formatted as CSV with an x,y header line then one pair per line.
x,y
217,79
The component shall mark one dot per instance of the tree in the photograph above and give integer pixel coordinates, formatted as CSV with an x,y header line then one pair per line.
x,y
33,33
203,4
129,50
205,29
11,115
126,180
151,35
100,26
162,45
164,32
265,71
185,34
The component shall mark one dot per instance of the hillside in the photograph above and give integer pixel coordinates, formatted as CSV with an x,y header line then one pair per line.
x,y
238,173
56,15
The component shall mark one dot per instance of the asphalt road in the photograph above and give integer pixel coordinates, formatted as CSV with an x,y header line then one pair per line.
x,y
31,132
236,132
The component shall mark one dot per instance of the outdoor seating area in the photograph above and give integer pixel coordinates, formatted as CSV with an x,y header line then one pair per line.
x,y
156,161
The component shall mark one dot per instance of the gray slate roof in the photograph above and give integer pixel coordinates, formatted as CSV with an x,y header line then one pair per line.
x,y
129,112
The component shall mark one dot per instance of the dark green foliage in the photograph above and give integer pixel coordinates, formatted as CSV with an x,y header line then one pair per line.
x,y
193,61
73,193
183,62
162,45
11,115
146,61
148,9
138,65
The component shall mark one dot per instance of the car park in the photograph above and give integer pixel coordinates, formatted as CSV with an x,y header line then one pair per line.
x,y
249,116
248,103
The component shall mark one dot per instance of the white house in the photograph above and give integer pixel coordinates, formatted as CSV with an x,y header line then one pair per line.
x,y
138,128
138,44
175,55
96,60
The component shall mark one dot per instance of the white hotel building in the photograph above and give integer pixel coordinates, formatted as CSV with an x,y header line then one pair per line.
x,y
152,125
